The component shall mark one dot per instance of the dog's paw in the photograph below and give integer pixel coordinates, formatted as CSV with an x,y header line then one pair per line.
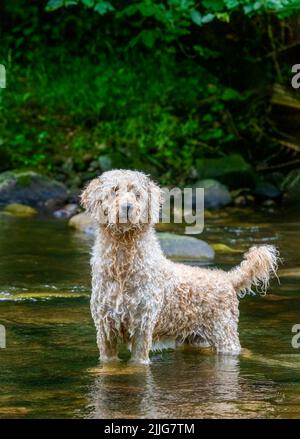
x,y
141,361
106,360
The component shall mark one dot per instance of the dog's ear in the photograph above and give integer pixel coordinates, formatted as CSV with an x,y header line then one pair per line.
x,y
156,199
90,195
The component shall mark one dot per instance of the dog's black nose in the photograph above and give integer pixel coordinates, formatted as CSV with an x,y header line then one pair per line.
x,y
126,207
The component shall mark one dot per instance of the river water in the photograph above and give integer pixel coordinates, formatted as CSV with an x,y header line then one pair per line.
x,y
50,367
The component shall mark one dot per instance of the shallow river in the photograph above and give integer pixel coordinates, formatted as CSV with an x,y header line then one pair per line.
x,y
50,365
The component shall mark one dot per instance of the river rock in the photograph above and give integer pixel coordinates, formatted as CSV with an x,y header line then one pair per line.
x,y
266,190
20,209
216,195
68,211
83,223
30,188
185,247
173,245
105,163
223,248
292,197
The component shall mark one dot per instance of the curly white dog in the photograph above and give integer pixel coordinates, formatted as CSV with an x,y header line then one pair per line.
x,y
141,297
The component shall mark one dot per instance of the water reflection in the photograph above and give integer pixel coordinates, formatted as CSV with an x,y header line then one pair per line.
x,y
202,386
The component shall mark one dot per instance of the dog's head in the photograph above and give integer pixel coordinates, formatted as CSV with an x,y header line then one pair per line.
x,y
123,200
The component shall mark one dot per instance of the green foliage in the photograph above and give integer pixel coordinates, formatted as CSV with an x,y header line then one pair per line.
x,y
166,10
160,85
292,180
102,7
170,19
132,114
231,169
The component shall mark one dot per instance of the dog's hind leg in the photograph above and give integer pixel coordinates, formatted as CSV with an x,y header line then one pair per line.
x,y
229,345
224,338
221,332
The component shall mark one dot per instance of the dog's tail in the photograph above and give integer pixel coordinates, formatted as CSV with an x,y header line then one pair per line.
x,y
258,267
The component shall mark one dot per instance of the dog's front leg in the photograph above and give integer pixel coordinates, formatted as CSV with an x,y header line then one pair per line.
x,y
107,344
146,305
141,346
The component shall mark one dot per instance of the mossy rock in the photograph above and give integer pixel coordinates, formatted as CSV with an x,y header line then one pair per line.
x,y
231,170
30,188
223,248
266,190
82,222
41,295
22,178
216,195
20,209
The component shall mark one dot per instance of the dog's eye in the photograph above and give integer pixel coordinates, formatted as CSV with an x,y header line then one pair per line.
x,y
137,196
114,190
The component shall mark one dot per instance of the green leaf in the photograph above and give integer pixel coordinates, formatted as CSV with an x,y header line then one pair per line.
x,y
88,3
206,53
53,5
129,11
248,9
224,16
207,18
147,37
196,18
147,9
229,94
102,7
232,4
213,5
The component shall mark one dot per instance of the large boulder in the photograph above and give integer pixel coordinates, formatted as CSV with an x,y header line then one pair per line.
x,y
216,195
185,247
30,188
